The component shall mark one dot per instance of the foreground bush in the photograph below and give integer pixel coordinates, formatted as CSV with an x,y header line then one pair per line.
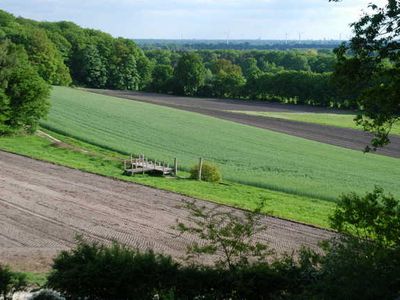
x,y
93,271
10,282
209,172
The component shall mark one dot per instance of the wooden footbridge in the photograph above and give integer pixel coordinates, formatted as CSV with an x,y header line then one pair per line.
x,y
142,165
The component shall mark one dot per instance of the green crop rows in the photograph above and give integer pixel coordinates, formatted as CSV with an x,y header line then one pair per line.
x,y
245,154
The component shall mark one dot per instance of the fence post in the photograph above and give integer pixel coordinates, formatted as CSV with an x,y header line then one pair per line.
x,y
175,167
200,167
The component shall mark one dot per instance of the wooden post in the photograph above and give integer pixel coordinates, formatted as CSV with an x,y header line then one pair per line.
x,y
200,167
176,167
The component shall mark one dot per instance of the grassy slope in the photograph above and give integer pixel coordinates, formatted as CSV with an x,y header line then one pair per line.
x,y
246,154
105,162
338,120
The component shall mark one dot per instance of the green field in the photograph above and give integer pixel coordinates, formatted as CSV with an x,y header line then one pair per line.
x,y
97,160
330,119
245,154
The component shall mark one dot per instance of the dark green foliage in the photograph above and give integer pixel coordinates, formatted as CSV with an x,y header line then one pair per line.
x,y
95,59
189,74
374,215
209,172
162,79
23,93
224,233
10,282
93,271
123,67
364,261
228,79
297,86
369,69
354,268
45,57
97,272
93,68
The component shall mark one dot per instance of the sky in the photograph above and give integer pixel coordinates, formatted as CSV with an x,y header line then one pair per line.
x,y
201,19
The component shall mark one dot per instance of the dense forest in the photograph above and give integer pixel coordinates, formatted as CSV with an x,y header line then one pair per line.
x,y
64,53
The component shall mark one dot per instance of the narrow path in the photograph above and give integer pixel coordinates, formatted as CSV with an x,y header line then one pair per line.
x,y
219,108
44,206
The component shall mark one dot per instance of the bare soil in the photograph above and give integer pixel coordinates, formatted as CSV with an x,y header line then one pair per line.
x,y
219,108
44,206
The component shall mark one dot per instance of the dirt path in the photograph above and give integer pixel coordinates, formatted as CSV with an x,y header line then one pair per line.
x,y
343,137
43,207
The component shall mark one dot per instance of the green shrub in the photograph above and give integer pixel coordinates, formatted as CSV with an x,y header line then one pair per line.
x,y
92,271
209,172
10,282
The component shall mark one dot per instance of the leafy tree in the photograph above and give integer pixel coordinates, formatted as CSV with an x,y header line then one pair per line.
x,y
94,71
363,261
228,78
23,93
225,233
189,74
374,215
369,66
44,56
123,68
250,68
162,78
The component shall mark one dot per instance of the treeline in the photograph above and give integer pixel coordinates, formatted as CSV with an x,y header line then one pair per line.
x,y
302,77
64,53
179,45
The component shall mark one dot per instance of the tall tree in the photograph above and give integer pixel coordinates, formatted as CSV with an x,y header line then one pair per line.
x,y
162,78
23,93
189,74
123,67
369,68
228,78
44,56
94,71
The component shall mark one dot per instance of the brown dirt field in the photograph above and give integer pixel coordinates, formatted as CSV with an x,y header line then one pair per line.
x,y
219,108
44,206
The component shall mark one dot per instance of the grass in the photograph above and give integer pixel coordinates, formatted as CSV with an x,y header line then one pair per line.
x,y
246,155
36,279
86,157
330,119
